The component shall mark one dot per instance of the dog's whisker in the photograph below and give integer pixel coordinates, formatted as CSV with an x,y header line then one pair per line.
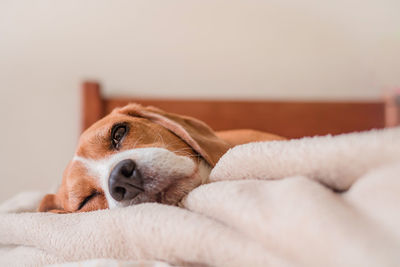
x,y
171,144
184,153
137,141
161,138
182,149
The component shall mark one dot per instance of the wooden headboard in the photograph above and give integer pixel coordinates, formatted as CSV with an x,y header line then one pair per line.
x,y
292,119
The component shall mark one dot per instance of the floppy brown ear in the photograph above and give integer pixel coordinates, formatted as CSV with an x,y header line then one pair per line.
x,y
195,133
50,203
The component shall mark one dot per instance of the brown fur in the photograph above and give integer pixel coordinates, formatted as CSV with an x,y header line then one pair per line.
x,y
244,136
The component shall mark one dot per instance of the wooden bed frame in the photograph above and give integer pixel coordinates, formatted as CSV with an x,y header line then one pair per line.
x,y
292,119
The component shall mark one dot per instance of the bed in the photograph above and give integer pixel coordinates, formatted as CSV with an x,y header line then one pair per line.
x,y
312,201
292,119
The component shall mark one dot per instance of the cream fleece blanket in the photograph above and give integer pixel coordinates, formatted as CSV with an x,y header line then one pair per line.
x,y
270,204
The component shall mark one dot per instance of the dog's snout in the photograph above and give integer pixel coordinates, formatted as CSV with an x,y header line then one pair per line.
x,y
125,181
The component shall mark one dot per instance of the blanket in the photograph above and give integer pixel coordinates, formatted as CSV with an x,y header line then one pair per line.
x,y
320,201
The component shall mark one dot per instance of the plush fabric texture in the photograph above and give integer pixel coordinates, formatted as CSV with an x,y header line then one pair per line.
x,y
336,161
322,201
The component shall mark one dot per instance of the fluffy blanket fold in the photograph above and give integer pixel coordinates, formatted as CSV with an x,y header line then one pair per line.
x,y
269,204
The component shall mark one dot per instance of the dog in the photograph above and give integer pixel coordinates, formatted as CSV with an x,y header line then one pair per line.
x,y
141,154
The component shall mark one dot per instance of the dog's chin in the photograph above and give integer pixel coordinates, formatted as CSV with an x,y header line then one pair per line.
x,y
141,198
152,193
163,197
171,195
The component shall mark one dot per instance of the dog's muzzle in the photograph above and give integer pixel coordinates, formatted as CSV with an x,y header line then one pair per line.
x,y
125,181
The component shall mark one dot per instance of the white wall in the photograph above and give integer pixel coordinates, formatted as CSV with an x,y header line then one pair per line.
x,y
180,48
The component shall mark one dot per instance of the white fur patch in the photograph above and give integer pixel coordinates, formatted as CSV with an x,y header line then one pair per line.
x,y
159,167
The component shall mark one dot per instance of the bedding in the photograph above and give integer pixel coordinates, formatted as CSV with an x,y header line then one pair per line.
x,y
320,201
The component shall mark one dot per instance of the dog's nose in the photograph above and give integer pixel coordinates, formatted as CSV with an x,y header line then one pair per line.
x,y
125,181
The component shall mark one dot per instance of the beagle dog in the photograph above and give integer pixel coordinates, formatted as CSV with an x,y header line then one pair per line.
x,y
141,154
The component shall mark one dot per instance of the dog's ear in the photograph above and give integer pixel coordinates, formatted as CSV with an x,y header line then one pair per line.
x,y
195,133
51,204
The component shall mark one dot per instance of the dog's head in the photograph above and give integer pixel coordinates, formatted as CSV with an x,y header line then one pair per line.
x,y
136,154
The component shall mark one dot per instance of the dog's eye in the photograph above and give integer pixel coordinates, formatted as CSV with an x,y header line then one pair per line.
x,y
117,134
87,199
